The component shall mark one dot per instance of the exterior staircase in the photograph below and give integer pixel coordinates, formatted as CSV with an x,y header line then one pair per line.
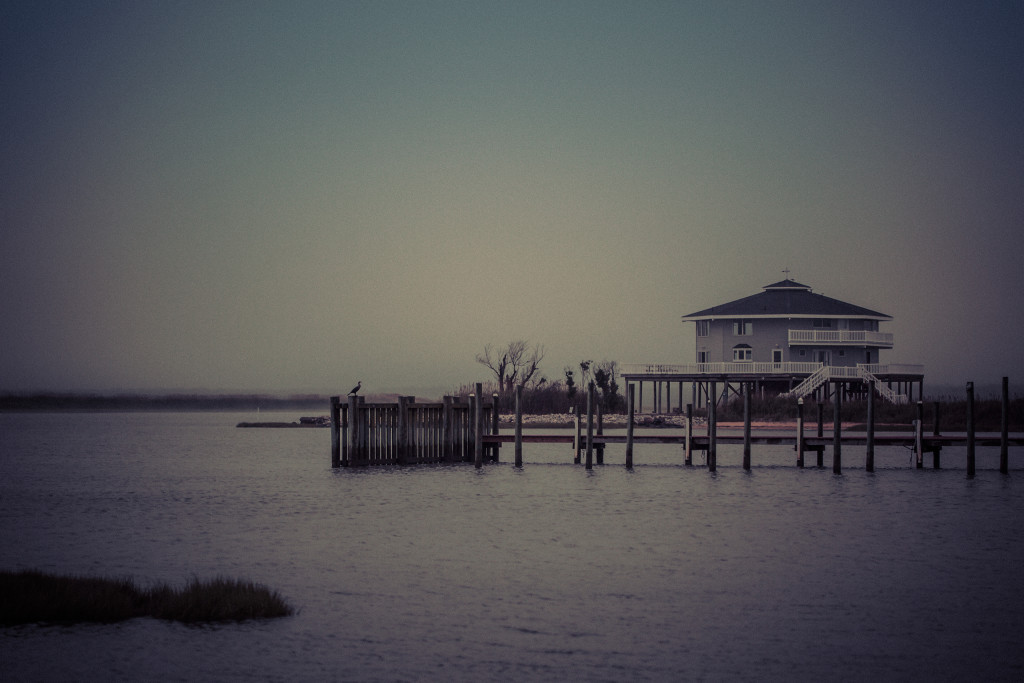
x,y
827,372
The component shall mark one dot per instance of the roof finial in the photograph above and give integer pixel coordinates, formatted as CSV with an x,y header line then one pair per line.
x,y
786,272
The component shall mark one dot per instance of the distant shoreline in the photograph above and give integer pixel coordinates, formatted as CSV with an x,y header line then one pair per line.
x,y
60,403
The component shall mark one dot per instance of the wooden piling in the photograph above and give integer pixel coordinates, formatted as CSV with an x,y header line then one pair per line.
x,y
519,426
405,430
869,462
970,429
496,449
577,441
919,436
447,451
821,433
746,425
688,437
478,426
800,432
599,446
712,428
335,431
353,432
590,426
630,408
1004,436
936,449
837,432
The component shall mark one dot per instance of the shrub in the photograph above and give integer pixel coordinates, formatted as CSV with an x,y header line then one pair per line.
x,y
32,596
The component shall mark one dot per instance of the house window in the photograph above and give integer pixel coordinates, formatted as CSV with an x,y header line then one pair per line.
x,y
742,328
702,356
823,323
703,328
742,353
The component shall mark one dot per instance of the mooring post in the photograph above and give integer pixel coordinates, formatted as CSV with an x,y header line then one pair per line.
x,y
599,447
335,431
937,448
800,432
345,461
869,463
590,426
688,437
402,445
821,434
447,447
496,447
1004,423
713,428
746,425
919,436
353,430
837,432
519,425
970,429
577,439
478,427
630,408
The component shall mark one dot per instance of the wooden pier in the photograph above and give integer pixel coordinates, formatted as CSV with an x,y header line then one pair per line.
x,y
409,433
453,431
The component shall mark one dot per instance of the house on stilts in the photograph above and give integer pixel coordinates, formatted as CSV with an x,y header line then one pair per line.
x,y
784,340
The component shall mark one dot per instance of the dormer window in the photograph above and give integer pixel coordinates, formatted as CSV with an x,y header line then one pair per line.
x,y
742,328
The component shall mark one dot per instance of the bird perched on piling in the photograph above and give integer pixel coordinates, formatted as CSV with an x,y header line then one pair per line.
x,y
355,389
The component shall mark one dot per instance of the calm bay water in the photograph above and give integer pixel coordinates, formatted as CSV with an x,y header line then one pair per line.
x,y
545,573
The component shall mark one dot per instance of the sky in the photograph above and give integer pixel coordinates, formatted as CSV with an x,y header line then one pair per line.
x,y
293,196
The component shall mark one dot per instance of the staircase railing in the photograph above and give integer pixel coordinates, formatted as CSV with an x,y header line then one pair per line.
x,y
826,372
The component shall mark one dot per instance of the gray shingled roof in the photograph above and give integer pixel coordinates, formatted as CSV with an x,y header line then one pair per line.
x,y
787,298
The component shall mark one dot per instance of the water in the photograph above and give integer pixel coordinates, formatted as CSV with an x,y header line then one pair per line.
x,y
546,573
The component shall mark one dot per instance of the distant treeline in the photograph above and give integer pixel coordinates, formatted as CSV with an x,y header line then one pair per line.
x,y
52,402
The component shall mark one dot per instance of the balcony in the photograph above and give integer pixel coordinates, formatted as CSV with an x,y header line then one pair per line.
x,y
662,370
881,340
733,368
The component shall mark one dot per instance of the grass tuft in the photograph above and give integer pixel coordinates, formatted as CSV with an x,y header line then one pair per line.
x,y
32,596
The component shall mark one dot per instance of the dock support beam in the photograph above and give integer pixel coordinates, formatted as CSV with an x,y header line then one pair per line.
x,y
712,428
837,432
496,448
478,427
970,429
519,425
335,431
590,426
919,436
821,433
800,432
747,386
869,462
630,408
688,447
1004,460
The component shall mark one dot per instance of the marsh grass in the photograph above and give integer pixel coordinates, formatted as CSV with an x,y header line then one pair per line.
x,y
35,597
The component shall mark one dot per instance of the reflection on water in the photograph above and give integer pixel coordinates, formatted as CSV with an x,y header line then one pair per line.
x,y
549,572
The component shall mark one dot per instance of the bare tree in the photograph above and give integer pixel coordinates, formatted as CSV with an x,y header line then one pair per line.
x,y
516,363
497,361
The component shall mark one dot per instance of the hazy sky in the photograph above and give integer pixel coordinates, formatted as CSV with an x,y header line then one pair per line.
x,y
292,196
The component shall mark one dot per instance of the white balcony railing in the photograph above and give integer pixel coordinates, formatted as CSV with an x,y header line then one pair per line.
x,y
737,368
840,337
749,368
